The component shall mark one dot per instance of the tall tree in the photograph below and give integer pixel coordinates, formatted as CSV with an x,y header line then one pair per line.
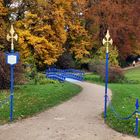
x,y
78,38
42,33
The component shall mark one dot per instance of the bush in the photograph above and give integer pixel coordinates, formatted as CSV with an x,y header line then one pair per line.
x,y
5,73
115,75
48,81
43,80
96,66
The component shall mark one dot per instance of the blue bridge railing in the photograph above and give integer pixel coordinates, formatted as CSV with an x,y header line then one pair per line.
x,y
56,77
62,74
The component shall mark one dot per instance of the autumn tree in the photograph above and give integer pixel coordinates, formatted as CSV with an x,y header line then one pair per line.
x,y
113,55
42,30
3,25
42,34
120,18
78,38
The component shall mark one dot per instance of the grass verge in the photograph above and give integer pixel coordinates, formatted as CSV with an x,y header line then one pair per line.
x,y
123,99
32,99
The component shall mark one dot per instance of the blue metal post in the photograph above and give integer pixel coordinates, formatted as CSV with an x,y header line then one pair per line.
x,y
11,37
137,121
11,91
106,86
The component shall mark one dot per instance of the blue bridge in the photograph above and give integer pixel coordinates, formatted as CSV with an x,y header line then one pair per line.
x,y
62,75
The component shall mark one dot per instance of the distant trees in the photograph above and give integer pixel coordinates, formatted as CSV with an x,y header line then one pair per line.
x,y
121,18
49,28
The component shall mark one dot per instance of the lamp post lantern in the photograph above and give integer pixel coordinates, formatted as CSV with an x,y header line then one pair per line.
x,y
106,41
12,59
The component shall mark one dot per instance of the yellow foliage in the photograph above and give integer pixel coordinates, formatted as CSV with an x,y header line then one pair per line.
x,y
79,40
42,34
3,10
113,55
38,40
3,26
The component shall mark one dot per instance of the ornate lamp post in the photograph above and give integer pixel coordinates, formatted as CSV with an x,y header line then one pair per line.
x,y
106,41
12,59
12,37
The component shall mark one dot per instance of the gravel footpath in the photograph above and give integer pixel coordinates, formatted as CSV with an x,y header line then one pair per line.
x,y
77,119
131,67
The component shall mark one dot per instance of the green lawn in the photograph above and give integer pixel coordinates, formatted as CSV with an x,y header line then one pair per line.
x,y
133,74
32,99
123,100
92,78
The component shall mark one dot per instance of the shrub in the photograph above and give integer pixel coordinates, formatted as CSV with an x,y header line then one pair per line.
x,y
19,74
43,80
115,75
47,81
96,66
5,73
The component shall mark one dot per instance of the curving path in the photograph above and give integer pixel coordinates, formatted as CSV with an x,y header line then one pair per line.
x,y
77,119
131,67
